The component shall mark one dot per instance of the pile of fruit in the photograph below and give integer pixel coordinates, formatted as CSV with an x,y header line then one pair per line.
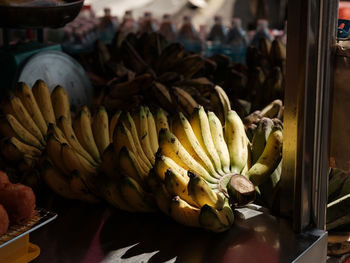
x,y
196,169
17,203
146,70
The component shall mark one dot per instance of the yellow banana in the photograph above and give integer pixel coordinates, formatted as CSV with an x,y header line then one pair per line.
x,y
129,166
163,163
80,189
122,137
135,196
9,151
215,220
29,102
109,162
113,124
57,132
13,149
57,181
73,162
130,124
42,96
60,103
176,184
183,131
100,129
272,110
161,120
269,159
183,212
83,131
171,147
141,124
237,141
219,141
202,193
225,102
53,149
10,127
162,198
111,193
152,128
201,129
17,109
72,139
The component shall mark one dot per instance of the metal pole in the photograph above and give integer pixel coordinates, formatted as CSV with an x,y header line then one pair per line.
x,y
306,118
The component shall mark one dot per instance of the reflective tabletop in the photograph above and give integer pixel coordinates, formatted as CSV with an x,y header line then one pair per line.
x,y
92,233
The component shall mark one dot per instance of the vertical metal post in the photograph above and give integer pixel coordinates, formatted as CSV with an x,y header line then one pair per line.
x,y
306,112
326,62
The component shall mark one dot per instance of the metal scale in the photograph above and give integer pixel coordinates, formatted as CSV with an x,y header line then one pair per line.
x,y
34,60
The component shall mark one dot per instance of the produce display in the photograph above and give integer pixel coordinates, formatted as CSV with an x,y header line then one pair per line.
x,y
195,169
17,203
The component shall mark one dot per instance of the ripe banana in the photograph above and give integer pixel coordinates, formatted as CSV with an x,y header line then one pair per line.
x,y
130,124
171,147
183,212
176,184
57,181
100,129
162,198
161,120
42,96
200,125
80,189
163,163
53,150
123,138
26,96
272,110
82,128
219,141
129,166
60,103
15,107
183,100
109,163
110,191
215,220
135,196
183,131
152,130
269,159
72,139
224,100
13,149
144,134
57,132
10,127
113,124
260,137
73,162
202,193
237,141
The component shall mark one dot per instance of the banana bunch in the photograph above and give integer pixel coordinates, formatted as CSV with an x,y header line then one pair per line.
x,y
135,143
23,127
202,169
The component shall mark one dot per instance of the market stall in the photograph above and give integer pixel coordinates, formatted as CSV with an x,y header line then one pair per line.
x,y
142,148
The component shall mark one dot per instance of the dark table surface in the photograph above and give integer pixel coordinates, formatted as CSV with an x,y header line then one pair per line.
x,y
92,233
